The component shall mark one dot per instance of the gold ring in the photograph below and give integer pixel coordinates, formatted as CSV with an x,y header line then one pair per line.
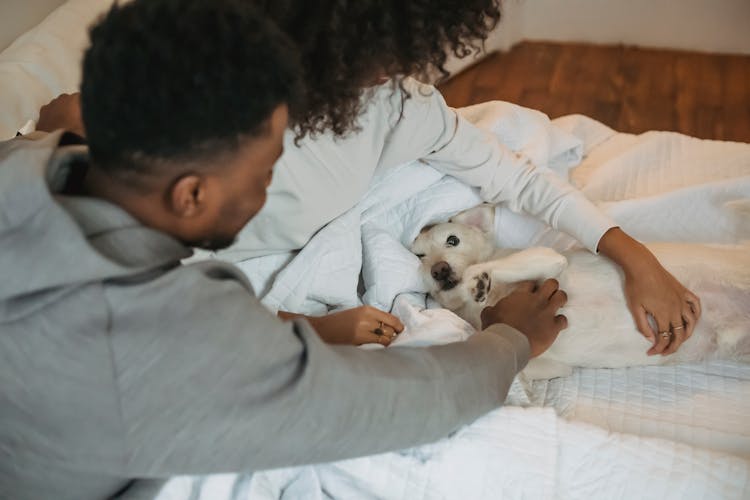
x,y
678,327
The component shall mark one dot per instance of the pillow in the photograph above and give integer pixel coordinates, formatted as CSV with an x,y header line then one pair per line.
x,y
44,62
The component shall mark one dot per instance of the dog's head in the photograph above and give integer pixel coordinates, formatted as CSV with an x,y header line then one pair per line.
x,y
448,248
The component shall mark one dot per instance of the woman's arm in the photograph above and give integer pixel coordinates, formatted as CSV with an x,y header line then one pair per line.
x,y
62,112
356,326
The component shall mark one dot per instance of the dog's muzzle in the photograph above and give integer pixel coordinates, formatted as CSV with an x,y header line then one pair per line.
x,y
443,274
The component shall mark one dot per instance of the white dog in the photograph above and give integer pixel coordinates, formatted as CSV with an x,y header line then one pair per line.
x,y
465,273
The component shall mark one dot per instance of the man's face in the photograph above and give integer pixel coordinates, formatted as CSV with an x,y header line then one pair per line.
x,y
237,190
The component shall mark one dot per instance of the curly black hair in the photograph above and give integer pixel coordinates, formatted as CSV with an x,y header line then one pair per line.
x,y
179,79
346,45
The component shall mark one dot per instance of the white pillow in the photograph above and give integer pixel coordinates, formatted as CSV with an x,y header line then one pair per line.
x,y
44,62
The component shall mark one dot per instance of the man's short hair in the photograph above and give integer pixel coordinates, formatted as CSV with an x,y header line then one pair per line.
x,y
180,79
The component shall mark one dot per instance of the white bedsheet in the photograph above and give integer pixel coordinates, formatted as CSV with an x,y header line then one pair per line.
x,y
705,404
645,432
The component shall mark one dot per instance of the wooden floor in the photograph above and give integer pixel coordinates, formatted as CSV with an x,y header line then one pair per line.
x,y
627,88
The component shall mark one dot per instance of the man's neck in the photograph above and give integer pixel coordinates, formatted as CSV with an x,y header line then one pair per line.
x,y
142,204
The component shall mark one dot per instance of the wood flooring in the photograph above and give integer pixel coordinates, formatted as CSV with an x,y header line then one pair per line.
x,y
630,89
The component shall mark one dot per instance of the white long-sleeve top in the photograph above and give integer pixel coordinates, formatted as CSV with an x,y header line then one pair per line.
x,y
323,177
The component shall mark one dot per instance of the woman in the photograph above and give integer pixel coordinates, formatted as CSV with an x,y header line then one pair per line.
x,y
346,47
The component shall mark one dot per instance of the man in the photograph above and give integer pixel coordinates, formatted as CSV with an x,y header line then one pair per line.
x,y
118,363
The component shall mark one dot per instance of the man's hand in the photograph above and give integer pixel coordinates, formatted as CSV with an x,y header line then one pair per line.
x,y
62,112
360,325
532,311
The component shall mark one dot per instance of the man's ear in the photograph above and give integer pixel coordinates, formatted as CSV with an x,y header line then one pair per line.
x,y
481,217
187,196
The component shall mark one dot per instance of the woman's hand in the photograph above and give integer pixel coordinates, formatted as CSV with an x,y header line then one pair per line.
x,y
651,290
360,325
62,112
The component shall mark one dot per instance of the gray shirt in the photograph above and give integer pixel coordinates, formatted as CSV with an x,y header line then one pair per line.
x,y
117,362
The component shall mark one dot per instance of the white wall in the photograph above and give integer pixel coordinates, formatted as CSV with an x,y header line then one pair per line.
x,y
18,16
720,26
699,25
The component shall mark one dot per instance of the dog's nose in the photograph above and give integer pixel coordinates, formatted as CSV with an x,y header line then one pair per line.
x,y
440,270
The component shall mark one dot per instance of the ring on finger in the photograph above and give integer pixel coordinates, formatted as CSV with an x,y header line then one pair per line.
x,y
379,330
675,328
665,335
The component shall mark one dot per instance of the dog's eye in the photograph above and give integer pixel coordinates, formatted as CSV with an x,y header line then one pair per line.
x,y
453,241
419,255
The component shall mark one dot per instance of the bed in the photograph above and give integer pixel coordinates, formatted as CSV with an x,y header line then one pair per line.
x,y
643,432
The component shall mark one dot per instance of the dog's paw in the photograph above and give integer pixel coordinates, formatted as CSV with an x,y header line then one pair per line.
x,y
546,261
481,288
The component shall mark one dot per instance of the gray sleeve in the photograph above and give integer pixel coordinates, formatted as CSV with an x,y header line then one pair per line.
x,y
211,382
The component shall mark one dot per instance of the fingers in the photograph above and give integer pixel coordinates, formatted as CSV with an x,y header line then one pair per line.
x,y
663,338
387,319
371,337
691,313
384,340
558,299
680,328
384,326
387,336
561,321
526,286
548,288
689,319
390,332
641,321
694,303
677,328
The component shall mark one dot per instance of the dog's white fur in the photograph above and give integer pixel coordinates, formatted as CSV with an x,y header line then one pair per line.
x,y
601,331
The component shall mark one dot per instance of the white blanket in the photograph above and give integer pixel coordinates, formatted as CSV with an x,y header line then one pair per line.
x,y
509,453
652,432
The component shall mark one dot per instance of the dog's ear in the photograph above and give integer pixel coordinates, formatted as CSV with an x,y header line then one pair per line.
x,y
481,217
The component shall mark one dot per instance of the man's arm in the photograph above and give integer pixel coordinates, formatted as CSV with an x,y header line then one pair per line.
x,y
210,381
